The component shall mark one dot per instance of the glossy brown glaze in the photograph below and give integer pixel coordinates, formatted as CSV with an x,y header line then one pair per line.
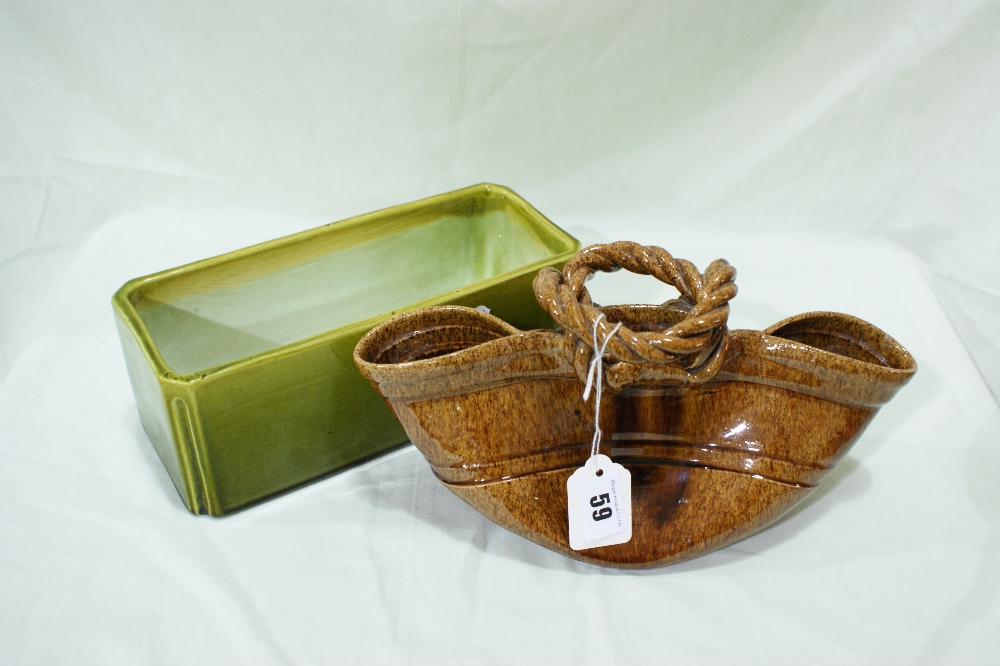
x,y
722,431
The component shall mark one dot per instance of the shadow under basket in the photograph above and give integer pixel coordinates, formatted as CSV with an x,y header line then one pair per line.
x,y
722,431
241,365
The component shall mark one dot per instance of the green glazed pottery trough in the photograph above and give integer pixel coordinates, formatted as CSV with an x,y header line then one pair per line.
x,y
242,364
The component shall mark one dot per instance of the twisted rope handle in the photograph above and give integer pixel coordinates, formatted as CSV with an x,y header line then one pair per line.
x,y
697,342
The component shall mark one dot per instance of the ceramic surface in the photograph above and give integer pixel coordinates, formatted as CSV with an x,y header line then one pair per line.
x,y
723,431
241,365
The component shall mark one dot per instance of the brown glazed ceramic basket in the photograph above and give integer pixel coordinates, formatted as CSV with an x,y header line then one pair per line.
x,y
723,431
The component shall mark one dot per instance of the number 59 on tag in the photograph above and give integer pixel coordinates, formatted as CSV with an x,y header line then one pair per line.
x,y
600,504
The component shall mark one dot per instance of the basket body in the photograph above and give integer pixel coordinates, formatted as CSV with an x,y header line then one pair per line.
x,y
499,415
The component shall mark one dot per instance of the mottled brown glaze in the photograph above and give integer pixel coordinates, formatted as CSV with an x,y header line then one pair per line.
x,y
722,436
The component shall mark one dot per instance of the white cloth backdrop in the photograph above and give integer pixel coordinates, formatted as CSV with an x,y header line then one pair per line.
x,y
842,156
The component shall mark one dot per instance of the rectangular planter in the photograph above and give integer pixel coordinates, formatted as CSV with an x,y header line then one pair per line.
x,y
242,364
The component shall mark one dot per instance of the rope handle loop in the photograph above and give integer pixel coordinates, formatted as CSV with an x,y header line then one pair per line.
x,y
696,343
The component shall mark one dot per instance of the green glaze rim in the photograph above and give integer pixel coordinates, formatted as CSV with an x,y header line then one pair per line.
x,y
563,244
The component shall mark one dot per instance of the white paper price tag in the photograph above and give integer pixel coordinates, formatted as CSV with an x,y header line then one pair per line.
x,y
600,504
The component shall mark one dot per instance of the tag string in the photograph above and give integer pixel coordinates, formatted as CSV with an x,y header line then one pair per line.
x,y
594,374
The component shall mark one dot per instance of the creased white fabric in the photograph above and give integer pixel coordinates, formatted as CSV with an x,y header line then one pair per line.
x,y
842,156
